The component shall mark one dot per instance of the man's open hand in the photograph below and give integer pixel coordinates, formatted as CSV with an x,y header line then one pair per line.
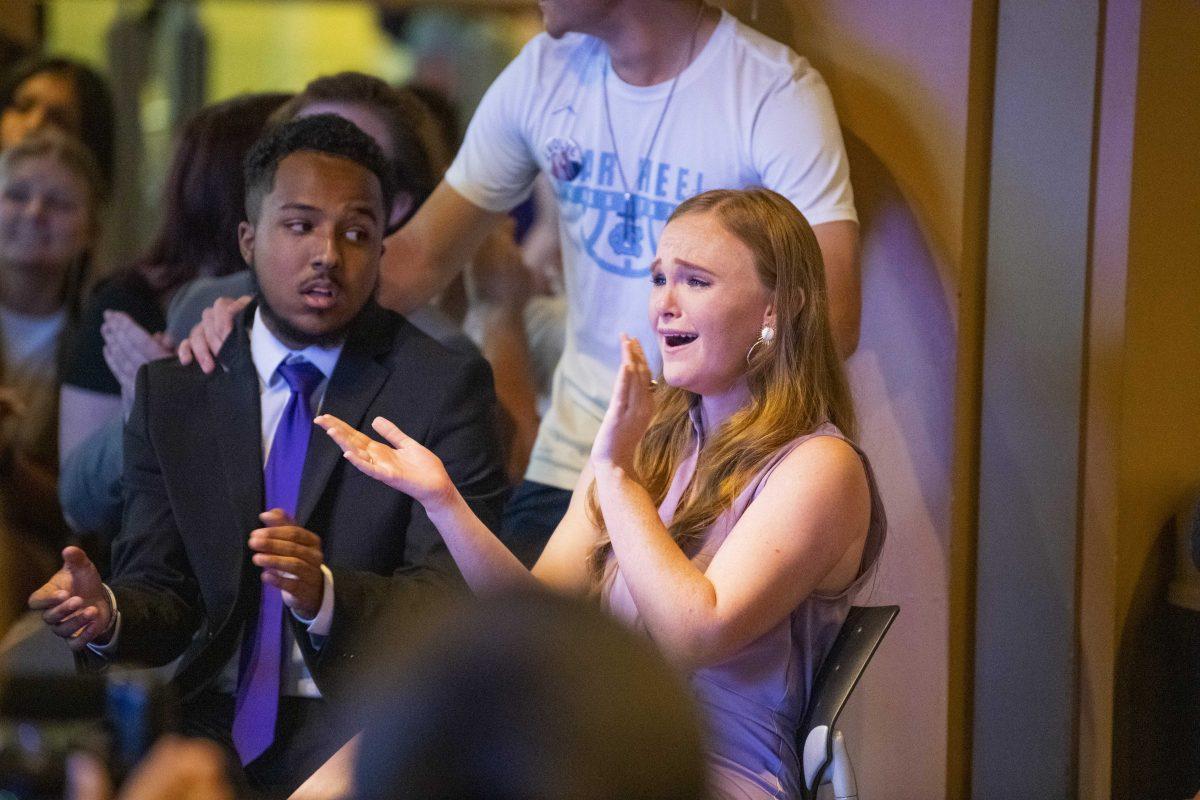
x,y
74,602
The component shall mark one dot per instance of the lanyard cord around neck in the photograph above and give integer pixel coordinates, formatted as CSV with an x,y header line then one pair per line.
x,y
627,213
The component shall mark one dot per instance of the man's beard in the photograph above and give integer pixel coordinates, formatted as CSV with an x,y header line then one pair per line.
x,y
294,337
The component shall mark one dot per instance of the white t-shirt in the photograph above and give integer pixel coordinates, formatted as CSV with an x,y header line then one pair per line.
x,y
746,112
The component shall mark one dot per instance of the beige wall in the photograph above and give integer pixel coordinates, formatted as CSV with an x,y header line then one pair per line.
x,y
1142,459
904,77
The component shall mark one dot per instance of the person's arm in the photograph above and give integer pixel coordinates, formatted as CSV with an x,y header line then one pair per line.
x,y
506,348
843,279
456,430
491,173
37,483
485,562
81,412
420,259
89,482
803,533
501,286
334,779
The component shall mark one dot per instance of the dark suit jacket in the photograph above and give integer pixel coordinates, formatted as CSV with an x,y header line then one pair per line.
x,y
194,489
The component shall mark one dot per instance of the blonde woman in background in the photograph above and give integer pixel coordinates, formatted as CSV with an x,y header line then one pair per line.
x,y
51,191
725,511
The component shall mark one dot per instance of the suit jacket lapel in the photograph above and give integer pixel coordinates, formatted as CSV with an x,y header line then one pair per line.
x,y
234,401
355,382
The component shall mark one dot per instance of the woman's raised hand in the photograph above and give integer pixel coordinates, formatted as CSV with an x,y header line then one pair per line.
x,y
406,466
127,345
629,411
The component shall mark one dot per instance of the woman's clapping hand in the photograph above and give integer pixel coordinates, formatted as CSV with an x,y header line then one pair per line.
x,y
127,345
628,413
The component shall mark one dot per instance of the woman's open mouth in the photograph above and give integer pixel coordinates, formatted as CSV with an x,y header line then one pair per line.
x,y
679,339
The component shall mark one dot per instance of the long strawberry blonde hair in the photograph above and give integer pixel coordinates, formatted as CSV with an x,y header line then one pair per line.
x,y
796,382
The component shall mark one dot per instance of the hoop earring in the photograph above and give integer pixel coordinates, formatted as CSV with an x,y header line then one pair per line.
x,y
765,337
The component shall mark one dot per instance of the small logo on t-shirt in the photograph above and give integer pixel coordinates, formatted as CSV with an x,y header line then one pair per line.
x,y
565,157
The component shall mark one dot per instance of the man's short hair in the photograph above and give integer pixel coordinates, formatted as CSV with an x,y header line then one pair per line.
x,y
321,133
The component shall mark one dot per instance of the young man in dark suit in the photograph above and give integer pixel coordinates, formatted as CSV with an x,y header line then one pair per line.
x,y
248,546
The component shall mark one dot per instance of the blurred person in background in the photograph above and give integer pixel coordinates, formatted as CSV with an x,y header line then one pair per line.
x,y
51,193
529,696
55,92
725,510
122,325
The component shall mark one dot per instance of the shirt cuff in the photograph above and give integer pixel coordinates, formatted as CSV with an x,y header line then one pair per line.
x,y
323,621
108,648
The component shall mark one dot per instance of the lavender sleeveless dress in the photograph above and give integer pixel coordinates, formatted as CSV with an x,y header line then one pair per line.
x,y
753,701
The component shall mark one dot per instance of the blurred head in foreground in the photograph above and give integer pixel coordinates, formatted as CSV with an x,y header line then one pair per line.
x,y
530,696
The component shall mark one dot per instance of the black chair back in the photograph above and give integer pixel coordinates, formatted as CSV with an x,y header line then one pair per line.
x,y
856,643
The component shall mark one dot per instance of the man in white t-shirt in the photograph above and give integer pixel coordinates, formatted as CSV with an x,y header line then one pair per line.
x,y
630,107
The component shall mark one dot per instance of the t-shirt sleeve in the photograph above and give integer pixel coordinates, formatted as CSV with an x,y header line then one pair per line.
x,y
85,360
797,148
495,166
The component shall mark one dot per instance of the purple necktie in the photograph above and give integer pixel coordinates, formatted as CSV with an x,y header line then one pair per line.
x,y
258,685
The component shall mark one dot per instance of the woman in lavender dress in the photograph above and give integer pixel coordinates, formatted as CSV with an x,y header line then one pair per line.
x,y
724,511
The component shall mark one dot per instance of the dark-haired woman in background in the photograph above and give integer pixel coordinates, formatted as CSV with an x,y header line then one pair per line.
x,y
41,93
203,202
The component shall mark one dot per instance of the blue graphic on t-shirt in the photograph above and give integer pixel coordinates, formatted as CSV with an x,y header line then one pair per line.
x,y
617,241
625,238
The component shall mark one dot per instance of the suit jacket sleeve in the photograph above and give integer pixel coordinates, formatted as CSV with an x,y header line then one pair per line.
x,y
462,433
156,591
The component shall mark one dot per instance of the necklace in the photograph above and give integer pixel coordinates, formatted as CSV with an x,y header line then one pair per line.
x,y
630,234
